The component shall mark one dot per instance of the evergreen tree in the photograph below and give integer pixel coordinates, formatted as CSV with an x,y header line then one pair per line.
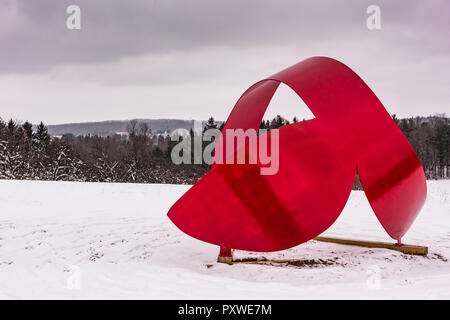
x,y
11,126
278,122
394,117
28,128
2,127
262,126
210,124
42,136
441,141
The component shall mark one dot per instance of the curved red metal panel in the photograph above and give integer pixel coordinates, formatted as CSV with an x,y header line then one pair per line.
x,y
235,206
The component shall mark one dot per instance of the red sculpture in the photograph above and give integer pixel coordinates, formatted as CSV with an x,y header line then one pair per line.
x,y
234,206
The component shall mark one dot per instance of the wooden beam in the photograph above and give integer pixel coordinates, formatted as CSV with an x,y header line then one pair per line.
x,y
405,248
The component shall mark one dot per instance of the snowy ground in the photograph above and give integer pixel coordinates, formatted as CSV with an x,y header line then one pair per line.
x,y
93,240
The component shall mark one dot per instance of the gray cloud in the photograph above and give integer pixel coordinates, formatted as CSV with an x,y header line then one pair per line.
x,y
114,29
135,47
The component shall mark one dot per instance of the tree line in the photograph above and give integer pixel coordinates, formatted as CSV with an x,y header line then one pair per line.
x,y
142,157
430,139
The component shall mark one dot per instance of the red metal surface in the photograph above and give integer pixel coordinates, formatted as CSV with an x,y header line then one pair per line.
x,y
234,206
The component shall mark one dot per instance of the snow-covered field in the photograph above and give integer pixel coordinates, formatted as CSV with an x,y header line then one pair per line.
x,y
96,240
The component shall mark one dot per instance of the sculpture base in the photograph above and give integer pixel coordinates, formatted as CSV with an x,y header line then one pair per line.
x,y
227,260
226,254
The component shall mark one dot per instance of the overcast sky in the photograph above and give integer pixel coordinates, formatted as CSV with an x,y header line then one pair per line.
x,y
192,59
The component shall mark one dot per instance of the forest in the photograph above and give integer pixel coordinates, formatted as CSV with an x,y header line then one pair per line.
x,y
28,152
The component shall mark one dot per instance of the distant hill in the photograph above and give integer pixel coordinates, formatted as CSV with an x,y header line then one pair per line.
x,y
157,126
